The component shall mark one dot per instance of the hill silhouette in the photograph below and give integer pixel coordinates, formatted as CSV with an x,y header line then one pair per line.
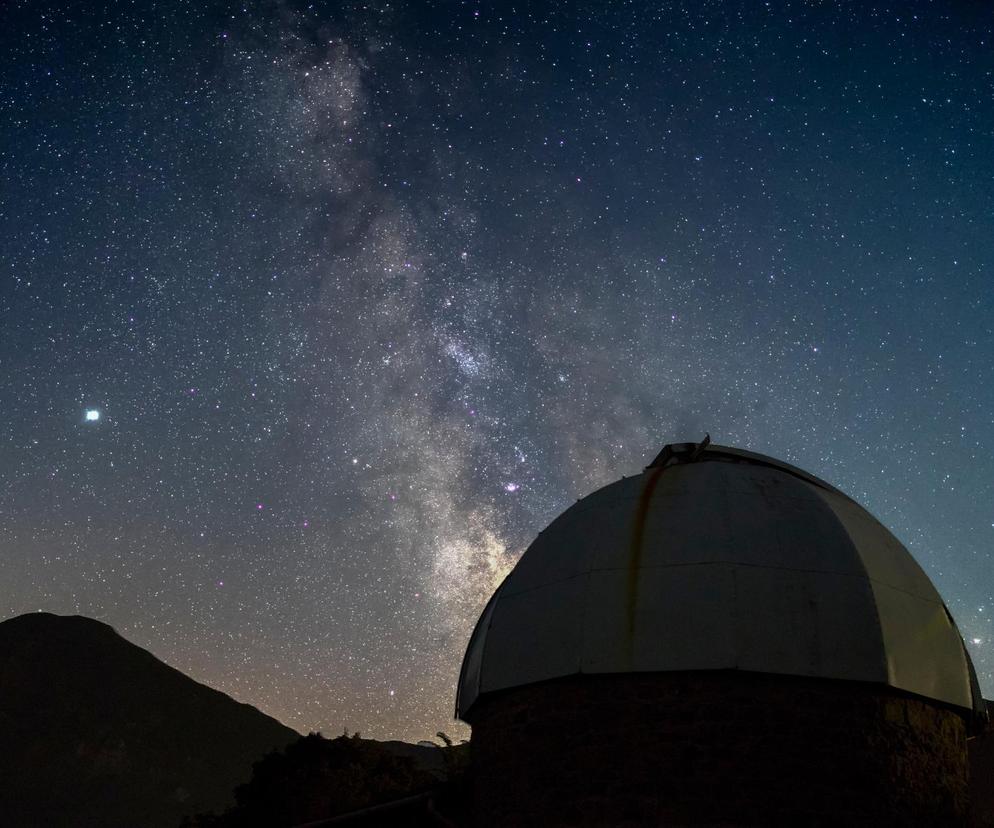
x,y
95,731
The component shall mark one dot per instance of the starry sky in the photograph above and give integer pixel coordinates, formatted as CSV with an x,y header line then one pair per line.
x,y
313,315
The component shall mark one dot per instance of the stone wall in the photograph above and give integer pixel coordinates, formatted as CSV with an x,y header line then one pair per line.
x,y
981,748
717,748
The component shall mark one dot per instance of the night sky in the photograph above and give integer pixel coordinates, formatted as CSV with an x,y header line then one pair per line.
x,y
312,316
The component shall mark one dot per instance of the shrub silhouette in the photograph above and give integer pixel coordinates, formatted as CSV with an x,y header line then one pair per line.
x,y
316,778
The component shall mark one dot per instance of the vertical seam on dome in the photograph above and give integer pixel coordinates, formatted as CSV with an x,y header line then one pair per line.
x,y
888,678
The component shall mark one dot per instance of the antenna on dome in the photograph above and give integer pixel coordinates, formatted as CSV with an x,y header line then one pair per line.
x,y
699,449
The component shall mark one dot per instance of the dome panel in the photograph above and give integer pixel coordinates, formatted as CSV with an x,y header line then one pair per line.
x,y
801,623
924,651
548,564
630,625
534,635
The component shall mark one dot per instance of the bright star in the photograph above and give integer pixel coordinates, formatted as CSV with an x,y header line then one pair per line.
x,y
92,415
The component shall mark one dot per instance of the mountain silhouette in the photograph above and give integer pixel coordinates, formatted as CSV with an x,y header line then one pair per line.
x,y
95,731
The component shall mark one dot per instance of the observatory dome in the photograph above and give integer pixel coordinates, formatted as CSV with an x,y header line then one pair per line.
x,y
715,558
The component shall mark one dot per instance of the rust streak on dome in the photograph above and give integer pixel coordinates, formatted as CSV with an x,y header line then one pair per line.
x,y
635,557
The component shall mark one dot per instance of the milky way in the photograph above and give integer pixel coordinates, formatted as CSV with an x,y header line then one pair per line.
x,y
313,316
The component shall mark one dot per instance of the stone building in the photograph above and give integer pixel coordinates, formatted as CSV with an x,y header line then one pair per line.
x,y
723,639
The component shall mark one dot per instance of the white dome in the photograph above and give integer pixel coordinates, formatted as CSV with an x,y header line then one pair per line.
x,y
719,559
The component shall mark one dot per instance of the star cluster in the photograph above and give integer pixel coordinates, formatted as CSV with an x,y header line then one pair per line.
x,y
313,315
